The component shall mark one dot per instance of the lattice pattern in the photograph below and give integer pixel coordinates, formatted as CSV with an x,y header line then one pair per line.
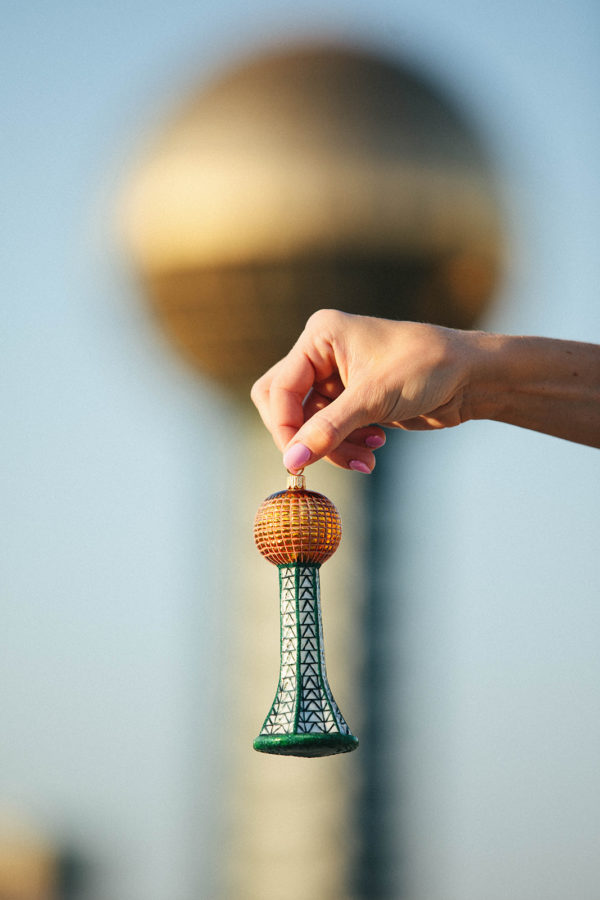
x,y
297,526
304,703
282,715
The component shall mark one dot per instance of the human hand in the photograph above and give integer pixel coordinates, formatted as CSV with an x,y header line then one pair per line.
x,y
347,376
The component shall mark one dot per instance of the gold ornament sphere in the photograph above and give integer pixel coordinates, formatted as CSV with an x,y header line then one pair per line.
x,y
297,526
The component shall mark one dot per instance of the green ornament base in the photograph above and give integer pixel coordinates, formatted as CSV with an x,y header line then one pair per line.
x,y
305,744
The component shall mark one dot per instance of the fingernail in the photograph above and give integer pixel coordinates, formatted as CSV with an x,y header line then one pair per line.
x,y
374,441
359,466
296,456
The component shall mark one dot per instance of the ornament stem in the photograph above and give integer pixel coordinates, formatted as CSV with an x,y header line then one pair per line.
x,y
304,719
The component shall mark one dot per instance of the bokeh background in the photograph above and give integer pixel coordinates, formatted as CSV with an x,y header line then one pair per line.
x,y
118,463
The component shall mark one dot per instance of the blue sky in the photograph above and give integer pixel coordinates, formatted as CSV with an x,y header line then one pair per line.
x,y
112,452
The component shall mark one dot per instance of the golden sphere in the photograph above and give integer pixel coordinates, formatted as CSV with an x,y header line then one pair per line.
x,y
297,526
308,177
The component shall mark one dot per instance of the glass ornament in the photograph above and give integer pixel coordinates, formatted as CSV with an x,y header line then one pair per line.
x,y
297,530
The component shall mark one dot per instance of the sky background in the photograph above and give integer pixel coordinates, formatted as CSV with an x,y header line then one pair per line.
x,y
113,454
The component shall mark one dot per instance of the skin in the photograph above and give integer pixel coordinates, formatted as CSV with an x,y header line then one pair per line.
x,y
349,377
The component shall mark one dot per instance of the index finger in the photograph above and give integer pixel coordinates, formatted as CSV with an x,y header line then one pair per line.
x,y
289,386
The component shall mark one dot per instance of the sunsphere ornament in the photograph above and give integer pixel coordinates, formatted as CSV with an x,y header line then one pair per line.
x,y
297,530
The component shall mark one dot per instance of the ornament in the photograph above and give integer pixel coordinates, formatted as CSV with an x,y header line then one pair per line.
x,y
297,530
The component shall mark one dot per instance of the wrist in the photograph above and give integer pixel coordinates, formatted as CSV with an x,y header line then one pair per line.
x,y
488,374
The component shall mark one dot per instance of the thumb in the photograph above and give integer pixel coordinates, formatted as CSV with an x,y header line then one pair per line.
x,y
325,430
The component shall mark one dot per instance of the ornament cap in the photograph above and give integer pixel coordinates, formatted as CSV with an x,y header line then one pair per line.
x,y
296,482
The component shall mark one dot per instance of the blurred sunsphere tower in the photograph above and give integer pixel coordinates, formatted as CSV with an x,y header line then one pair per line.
x,y
311,177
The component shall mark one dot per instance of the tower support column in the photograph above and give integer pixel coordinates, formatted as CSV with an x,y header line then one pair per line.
x,y
304,719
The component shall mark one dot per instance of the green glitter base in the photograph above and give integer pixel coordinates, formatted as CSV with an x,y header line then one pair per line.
x,y
305,744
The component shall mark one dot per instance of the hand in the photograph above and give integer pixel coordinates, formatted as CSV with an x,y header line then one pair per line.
x,y
347,376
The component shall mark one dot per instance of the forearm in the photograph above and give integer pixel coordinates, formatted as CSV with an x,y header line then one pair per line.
x,y
546,385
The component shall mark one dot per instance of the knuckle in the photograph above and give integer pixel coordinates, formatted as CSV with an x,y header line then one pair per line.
x,y
257,391
324,320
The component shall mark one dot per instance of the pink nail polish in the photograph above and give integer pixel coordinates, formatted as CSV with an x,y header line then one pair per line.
x,y
357,466
374,441
297,456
